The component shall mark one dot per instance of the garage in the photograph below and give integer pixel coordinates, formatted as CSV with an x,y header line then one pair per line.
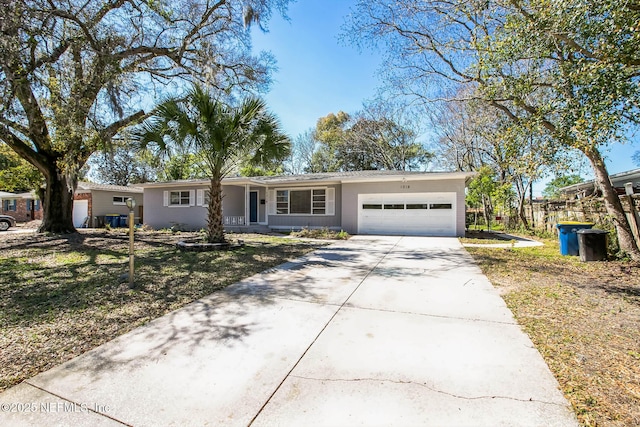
x,y
419,214
80,212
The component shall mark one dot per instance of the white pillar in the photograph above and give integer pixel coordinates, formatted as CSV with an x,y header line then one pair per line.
x,y
247,189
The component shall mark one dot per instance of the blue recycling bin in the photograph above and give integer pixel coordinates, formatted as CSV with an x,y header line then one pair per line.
x,y
113,220
568,234
123,220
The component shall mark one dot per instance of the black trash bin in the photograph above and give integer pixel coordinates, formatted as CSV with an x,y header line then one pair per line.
x,y
592,245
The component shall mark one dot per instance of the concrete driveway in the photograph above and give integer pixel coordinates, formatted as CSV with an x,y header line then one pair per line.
x,y
372,331
18,230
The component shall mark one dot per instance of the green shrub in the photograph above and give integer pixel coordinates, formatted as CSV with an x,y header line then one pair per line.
x,y
321,233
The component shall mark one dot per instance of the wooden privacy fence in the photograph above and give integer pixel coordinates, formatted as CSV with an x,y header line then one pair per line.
x,y
547,214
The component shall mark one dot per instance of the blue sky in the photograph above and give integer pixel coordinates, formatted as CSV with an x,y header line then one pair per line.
x,y
319,75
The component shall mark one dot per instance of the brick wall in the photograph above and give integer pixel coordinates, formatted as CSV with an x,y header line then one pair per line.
x,y
23,213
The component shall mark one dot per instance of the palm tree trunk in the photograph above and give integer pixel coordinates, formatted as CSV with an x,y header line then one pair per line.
x,y
215,229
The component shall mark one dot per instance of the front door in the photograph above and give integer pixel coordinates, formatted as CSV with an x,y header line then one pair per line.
x,y
253,206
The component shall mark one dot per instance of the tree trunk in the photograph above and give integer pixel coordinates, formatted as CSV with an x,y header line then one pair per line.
x,y
614,207
57,212
522,195
533,217
215,229
521,213
488,211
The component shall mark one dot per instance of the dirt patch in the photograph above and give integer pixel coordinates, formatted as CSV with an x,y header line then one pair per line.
x,y
61,296
584,319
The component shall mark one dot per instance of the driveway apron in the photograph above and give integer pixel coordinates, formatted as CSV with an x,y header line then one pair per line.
x,y
371,331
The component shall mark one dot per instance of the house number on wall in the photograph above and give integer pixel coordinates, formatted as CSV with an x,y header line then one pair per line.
x,y
405,186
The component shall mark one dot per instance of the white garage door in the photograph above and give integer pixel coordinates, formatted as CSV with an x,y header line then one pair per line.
x,y
80,212
420,214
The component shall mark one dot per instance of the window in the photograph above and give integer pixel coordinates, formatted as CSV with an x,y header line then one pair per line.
x,y
119,200
10,205
440,206
312,201
319,202
179,198
417,206
394,206
207,197
282,202
33,204
300,202
371,206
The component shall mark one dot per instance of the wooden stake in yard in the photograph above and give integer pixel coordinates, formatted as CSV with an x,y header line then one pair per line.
x,y
131,204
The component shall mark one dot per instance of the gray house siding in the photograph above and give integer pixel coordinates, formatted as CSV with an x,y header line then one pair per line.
x,y
102,202
346,195
350,192
233,200
262,203
159,216
310,221
195,217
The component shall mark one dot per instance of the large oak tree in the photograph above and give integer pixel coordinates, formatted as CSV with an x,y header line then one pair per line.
x,y
74,73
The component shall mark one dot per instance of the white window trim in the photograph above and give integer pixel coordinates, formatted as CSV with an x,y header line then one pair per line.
x,y
329,206
166,198
123,203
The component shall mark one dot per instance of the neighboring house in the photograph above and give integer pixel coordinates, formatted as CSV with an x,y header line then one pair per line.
x,y
364,202
22,206
91,202
588,188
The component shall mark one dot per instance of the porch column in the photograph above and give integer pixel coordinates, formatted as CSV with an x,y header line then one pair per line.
x,y
247,190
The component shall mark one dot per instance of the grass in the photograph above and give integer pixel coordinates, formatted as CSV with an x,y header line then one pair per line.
x,y
584,318
62,296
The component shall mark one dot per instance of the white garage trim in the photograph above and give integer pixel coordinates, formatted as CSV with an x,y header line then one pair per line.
x,y
420,214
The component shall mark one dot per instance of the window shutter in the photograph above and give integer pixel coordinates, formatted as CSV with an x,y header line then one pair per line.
x,y
192,197
271,202
200,198
165,198
331,201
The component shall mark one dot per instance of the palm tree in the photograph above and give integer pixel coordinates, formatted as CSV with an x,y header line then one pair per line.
x,y
222,136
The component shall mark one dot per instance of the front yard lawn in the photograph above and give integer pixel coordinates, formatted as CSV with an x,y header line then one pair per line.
x,y
62,296
585,320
